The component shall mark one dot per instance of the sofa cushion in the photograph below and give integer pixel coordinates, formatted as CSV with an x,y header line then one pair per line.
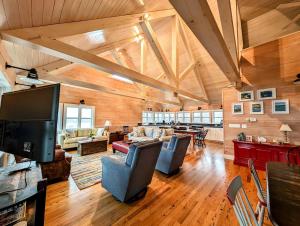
x,y
74,140
130,155
165,138
156,133
83,132
100,137
71,133
148,131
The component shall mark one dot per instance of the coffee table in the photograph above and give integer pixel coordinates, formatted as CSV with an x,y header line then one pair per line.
x,y
91,146
121,146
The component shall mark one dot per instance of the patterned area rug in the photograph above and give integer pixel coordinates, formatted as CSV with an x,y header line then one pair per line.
x,y
87,170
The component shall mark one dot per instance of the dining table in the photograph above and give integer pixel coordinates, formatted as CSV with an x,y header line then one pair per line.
x,y
283,193
192,132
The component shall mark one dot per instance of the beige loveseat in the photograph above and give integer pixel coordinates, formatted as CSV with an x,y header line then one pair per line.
x,y
70,138
146,133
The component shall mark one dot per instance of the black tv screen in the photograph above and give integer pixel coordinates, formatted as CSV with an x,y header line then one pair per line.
x,y
28,120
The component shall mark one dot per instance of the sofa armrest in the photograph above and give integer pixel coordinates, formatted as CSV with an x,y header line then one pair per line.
x,y
61,139
115,173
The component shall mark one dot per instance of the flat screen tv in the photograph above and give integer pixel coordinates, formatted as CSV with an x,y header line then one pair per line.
x,y
28,120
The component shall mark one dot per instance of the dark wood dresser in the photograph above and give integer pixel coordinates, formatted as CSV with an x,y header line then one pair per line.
x,y
261,153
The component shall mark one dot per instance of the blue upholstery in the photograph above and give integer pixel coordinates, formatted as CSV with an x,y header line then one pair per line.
x,y
172,154
126,179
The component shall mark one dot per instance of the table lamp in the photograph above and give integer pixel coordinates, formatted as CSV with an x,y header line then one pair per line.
x,y
285,128
107,124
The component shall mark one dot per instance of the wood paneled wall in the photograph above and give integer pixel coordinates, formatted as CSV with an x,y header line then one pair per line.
x,y
274,64
119,110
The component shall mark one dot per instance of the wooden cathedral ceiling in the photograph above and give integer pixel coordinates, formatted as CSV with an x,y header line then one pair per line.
x,y
63,42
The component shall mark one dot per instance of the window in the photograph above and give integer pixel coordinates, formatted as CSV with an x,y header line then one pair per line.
x,y
184,117
172,117
196,117
167,117
205,117
78,116
148,117
217,117
160,117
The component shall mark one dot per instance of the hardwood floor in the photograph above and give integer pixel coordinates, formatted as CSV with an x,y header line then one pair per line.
x,y
195,196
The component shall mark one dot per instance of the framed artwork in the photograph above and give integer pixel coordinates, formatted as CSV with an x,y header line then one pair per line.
x,y
257,108
237,108
266,94
246,96
280,106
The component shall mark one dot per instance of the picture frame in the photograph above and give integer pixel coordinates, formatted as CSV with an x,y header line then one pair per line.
x,y
249,138
280,106
266,94
257,108
237,108
246,95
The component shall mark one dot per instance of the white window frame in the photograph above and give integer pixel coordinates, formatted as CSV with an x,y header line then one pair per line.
x,y
149,117
79,106
213,116
193,116
183,116
210,118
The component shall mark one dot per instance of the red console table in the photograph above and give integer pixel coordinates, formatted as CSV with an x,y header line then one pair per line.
x,y
261,153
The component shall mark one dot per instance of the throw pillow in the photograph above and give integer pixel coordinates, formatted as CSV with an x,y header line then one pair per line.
x,y
83,132
139,131
156,133
70,133
100,132
169,132
149,131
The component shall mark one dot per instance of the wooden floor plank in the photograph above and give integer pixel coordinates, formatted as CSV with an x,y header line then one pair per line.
x,y
195,196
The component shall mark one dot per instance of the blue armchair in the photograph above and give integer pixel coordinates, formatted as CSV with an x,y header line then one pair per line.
x,y
172,154
126,180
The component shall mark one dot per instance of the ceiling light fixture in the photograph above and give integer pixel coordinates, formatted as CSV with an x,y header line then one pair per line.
x,y
297,81
32,78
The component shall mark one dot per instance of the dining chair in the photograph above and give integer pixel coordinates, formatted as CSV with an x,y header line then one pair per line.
x,y
262,195
241,205
200,138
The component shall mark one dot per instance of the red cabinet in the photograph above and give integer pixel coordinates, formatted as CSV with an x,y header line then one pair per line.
x,y
262,153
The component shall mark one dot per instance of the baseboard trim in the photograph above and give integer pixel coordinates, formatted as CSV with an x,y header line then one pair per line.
x,y
229,157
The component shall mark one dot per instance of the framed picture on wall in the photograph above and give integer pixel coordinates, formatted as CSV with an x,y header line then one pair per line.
x,y
237,108
280,106
257,108
246,96
266,94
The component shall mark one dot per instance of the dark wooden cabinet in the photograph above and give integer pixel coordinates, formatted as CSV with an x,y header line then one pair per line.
x,y
263,153
116,136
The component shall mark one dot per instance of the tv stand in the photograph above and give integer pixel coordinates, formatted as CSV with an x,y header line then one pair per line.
x,y
15,192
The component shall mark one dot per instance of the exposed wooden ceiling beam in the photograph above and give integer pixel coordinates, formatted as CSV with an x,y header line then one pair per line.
x,y
198,16
157,49
85,85
73,54
9,74
191,54
186,71
288,5
175,50
225,13
68,29
143,56
59,64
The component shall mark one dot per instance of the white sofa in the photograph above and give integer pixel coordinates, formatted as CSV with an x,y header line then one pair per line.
x,y
147,133
70,138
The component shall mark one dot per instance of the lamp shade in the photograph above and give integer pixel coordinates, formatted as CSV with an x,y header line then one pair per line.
x,y
285,128
107,123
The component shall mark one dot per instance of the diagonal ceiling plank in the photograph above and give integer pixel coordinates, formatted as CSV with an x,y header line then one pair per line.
x,y
186,71
71,53
85,85
157,49
225,12
175,48
199,18
69,29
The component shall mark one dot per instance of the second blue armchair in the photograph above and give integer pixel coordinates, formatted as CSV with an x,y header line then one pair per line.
x,y
172,154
